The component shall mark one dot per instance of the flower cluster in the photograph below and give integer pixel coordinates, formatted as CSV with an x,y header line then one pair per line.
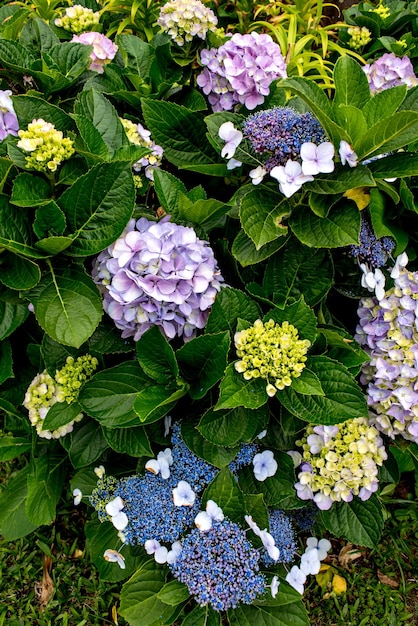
x,y
140,136
241,71
104,50
78,19
46,146
371,250
158,273
220,567
388,331
44,391
339,462
277,134
359,37
9,124
282,531
271,351
390,71
185,19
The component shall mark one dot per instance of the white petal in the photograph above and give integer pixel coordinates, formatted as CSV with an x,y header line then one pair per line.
x,y
153,466
120,520
214,511
114,506
151,545
203,521
160,555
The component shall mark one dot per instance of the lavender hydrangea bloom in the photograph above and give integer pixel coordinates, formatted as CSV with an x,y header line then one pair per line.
x,y
390,71
8,120
158,274
277,134
388,331
241,71
104,50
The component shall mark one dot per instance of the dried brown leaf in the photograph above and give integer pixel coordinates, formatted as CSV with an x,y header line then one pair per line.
x,y
45,589
386,580
348,554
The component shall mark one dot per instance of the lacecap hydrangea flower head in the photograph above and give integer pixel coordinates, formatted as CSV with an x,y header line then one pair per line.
x,y
271,351
9,124
390,71
104,50
185,19
388,332
339,462
44,391
140,136
240,71
78,19
47,147
158,274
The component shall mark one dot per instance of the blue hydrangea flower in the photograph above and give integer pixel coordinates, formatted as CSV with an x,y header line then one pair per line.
x,y
189,467
220,567
281,529
278,134
371,250
244,457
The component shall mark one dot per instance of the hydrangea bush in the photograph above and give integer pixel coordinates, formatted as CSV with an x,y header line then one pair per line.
x,y
208,295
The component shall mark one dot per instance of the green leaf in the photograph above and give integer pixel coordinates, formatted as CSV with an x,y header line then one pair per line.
x,y
384,104
168,189
98,206
341,228
202,616
29,108
54,245
357,521
173,593
342,347
37,35
68,58
234,426
60,414
155,401
215,455
308,384
229,305
343,398
224,490
109,395
203,360
92,146
235,391
285,609
139,603
133,441
106,339
15,231
6,364
245,252
45,483
257,509
49,221
12,447
342,179
180,131
87,444
206,213
29,190
156,357
137,55
351,84
297,270
19,273
261,212
352,120
11,317
67,305
15,56
275,489
14,522
384,137
300,315
395,166
5,167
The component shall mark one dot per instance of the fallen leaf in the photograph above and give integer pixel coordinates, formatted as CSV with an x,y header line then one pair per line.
x,y
339,584
347,555
45,590
386,580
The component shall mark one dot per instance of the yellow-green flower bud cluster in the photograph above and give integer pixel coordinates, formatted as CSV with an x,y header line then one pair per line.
x,y
360,36
140,136
102,494
78,19
46,145
44,391
271,351
381,10
340,462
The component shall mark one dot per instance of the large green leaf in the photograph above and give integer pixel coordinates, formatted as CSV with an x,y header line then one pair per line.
x,y
245,252
49,222
29,108
168,189
155,401
45,483
229,305
87,444
11,317
60,414
97,108
351,84
384,104
6,364
38,35
29,190
203,360
12,447
19,273
357,521
67,305
109,395
156,357
202,616
15,231
15,56
384,137
341,228
299,314
275,489
342,179
234,426
235,391
133,441
343,398
98,206
218,456
5,167
224,490
180,131
137,55
395,166
261,212
286,609
297,270
14,522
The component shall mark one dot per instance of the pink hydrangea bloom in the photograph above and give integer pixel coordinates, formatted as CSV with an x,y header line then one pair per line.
x,y
104,50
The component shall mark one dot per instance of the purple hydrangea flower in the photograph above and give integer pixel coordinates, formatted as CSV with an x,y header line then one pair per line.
x,y
8,120
241,71
104,50
158,274
390,71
